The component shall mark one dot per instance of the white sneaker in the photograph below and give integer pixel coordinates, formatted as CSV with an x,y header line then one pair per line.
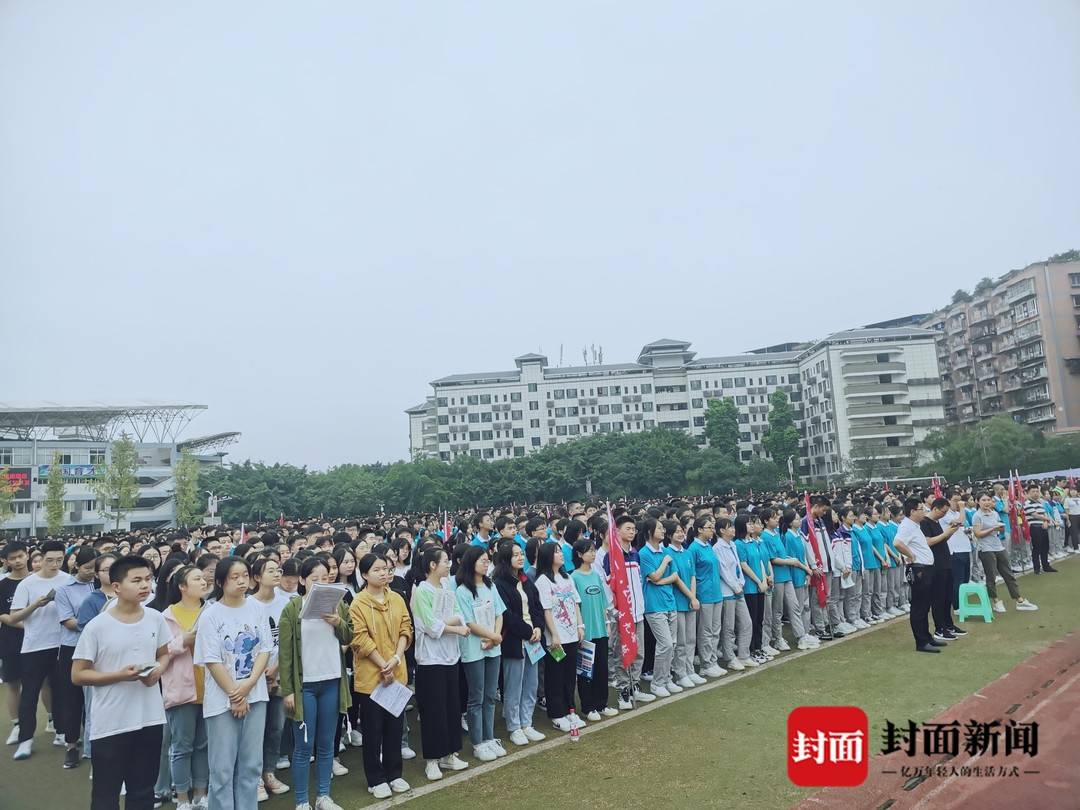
x,y
686,683
533,734
1027,604
381,791
25,749
697,679
495,746
407,753
897,611
593,716
274,786
59,741
431,770
562,724
283,762
356,739
673,688
201,801
190,806
999,606
659,691
770,651
337,769
13,737
714,671
517,737
399,785
749,662
782,645
643,697
803,644
609,711
464,724
260,792
485,754
577,720
453,763
736,665
50,726
861,625
326,803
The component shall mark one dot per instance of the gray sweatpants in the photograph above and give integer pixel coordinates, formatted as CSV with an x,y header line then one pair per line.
x,y
766,620
872,599
708,632
785,598
664,629
851,598
626,678
818,614
685,642
735,629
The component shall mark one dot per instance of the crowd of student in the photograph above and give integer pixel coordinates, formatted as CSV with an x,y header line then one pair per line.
x,y
182,664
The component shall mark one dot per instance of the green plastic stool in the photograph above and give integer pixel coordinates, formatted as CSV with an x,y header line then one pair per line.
x,y
981,605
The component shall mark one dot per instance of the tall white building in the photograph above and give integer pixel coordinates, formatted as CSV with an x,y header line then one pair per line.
x,y
863,396
83,435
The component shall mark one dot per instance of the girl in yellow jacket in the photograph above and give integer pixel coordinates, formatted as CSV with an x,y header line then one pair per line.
x,y
382,631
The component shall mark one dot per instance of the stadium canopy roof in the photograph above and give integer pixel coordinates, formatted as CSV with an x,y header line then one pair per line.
x,y
147,421
213,442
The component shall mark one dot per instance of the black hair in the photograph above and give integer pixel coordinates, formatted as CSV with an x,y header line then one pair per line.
x,y
311,563
429,558
466,572
257,568
741,522
396,545
221,574
533,524
84,555
161,586
669,530
12,547
503,561
120,568
174,595
339,555
52,545
910,505
573,532
545,561
581,548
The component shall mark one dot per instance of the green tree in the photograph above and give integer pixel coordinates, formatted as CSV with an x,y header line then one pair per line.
x,y
186,490
985,285
993,446
117,488
722,427
7,496
961,297
54,498
781,438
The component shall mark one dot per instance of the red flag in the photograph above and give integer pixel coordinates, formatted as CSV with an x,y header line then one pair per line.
x,y
620,591
886,486
816,579
446,528
1025,527
281,519
1014,518
937,488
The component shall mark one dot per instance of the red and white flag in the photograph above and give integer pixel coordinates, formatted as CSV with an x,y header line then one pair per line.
x,y
816,579
937,488
446,528
619,582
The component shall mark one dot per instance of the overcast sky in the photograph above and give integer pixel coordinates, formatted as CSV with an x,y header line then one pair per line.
x,y
299,214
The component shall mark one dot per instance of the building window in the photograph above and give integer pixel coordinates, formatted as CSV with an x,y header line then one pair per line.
x,y
601,391
616,390
746,455
474,453
474,417
726,382
487,435
572,410
617,427
519,433
571,393
443,420
519,452
740,382
695,385
1074,279
771,380
646,406
649,423
532,388
574,430
560,412
441,402
605,427
489,453
474,399
646,388
744,419
744,436
535,441
444,438
534,405
515,396
699,421
740,399
560,430
515,415
474,435
560,393
697,403
616,408
534,423
605,409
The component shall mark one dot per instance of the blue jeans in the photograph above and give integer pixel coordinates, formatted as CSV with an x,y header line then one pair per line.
x,y
320,721
163,786
275,722
483,680
519,692
187,751
235,753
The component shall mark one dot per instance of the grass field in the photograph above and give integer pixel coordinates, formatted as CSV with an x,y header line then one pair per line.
x,y
723,746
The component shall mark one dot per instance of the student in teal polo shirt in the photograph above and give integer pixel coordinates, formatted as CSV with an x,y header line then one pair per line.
x,y
795,550
897,586
870,566
686,606
880,575
747,530
783,597
658,574
707,577
595,603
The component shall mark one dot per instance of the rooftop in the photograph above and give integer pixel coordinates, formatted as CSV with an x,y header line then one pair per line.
x,y
148,420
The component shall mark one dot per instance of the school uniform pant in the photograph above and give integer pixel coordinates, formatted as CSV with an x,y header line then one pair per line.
x,y
439,703
519,677
275,723
785,599
866,590
235,753
664,628
766,618
850,599
1074,531
960,565
821,615
836,605
627,678
922,586
163,785
685,642
1040,553
70,701
736,629
894,581
593,691
382,738
37,667
483,681
559,677
873,598
941,598
708,632
187,747
129,759
996,563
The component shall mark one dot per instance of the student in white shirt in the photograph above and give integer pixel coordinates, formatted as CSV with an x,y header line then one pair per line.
x,y
33,606
124,640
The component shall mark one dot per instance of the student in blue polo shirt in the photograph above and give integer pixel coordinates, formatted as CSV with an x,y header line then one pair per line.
x,y
795,550
482,525
860,554
571,535
878,579
707,577
658,574
536,529
686,606
845,550
783,590
747,530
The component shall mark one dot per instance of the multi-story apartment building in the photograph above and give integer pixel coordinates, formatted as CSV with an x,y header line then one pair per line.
x,y
1014,348
83,436
867,394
